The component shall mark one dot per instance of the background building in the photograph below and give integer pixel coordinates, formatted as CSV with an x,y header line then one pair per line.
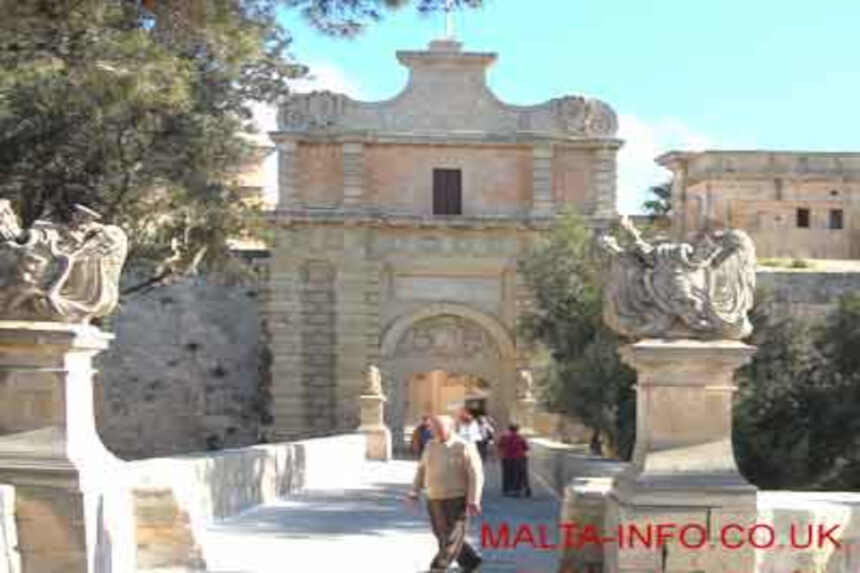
x,y
400,224
793,204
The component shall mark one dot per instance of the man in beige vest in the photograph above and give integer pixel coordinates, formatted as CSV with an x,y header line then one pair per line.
x,y
451,470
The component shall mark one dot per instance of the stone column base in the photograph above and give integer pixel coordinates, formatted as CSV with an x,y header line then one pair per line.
x,y
682,506
68,493
377,433
378,442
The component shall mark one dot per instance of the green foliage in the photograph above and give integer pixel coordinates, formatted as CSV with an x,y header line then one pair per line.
x,y
140,109
348,17
586,377
138,112
661,202
795,421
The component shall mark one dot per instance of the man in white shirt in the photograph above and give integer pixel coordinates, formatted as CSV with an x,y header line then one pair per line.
x,y
468,427
451,470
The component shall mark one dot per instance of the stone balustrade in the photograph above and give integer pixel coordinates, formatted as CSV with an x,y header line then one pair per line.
x,y
556,464
176,498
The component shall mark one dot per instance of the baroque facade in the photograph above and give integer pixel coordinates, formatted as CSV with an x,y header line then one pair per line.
x,y
793,204
399,226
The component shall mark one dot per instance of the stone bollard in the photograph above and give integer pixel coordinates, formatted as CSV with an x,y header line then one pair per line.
x,y
526,402
50,450
372,425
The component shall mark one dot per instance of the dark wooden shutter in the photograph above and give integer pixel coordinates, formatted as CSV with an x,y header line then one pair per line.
x,y
836,218
447,192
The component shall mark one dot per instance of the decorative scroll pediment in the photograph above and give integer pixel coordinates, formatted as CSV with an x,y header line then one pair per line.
x,y
447,92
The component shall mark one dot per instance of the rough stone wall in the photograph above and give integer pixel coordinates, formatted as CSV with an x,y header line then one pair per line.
x,y
806,293
183,373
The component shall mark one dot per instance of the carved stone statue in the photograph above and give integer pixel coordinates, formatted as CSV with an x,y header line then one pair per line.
x,y
525,385
57,272
372,382
680,290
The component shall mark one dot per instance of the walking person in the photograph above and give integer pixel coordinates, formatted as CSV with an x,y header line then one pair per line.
x,y
420,436
487,433
468,427
453,476
513,452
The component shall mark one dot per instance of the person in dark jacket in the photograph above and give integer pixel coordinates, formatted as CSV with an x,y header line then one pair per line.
x,y
513,451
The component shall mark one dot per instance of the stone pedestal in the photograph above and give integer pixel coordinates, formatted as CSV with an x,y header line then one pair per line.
x,y
683,470
377,433
50,451
526,416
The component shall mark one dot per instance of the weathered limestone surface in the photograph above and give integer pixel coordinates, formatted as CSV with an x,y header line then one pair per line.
x,y
72,512
183,372
689,302
556,464
760,192
683,468
372,401
177,498
809,293
364,272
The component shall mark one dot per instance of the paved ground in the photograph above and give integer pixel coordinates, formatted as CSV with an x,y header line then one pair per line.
x,y
372,529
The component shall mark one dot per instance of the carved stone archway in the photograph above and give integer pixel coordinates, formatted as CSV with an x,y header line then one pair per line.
x,y
451,337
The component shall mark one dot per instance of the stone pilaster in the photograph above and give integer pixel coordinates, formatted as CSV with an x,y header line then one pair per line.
x,y
542,200
51,453
601,201
353,173
679,201
287,172
356,322
283,316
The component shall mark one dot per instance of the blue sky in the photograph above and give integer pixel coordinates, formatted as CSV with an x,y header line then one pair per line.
x,y
681,74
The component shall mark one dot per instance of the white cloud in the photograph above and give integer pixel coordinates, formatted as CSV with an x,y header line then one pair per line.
x,y
644,141
326,76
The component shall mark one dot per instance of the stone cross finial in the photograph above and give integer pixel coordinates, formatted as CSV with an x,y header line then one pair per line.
x,y
449,19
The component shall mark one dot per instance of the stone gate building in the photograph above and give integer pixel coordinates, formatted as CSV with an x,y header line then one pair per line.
x,y
399,226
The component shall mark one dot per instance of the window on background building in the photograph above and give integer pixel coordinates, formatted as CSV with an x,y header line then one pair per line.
x,y
836,218
447,192
803,218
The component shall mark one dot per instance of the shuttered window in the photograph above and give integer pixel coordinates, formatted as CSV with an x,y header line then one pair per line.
x,y
836,218
447,192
